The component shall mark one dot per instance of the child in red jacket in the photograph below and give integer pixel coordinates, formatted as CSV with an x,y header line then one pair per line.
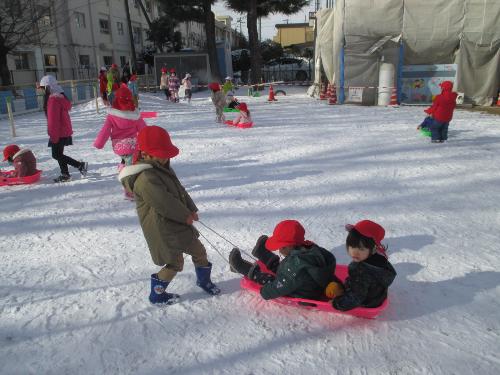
x,y
441,112
23,160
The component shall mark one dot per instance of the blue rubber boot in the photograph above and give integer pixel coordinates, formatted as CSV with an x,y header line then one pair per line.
x,y
158,293
203,280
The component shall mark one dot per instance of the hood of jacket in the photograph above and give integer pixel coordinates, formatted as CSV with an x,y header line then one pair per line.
x,y
379,267
118,117
318,262
129,174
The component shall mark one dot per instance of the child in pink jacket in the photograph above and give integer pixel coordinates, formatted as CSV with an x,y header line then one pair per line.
x,y
122,125
56,107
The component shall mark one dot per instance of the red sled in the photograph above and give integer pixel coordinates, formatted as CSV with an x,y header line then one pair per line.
x,y
149,115
240,125
341,273
5,180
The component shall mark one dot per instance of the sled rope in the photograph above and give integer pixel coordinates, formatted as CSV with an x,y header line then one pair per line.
x,y
215,248
225,239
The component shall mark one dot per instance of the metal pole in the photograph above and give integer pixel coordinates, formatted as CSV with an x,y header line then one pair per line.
x,y
11,116
130,34
94,87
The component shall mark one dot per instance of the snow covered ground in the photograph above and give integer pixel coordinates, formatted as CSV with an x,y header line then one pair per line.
x,y
75,267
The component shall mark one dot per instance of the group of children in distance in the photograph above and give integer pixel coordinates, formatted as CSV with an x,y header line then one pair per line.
x,y
170,84
111,80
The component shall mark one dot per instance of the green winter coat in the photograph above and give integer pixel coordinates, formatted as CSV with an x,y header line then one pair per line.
x,y
304,273
163,206
113,77
228,86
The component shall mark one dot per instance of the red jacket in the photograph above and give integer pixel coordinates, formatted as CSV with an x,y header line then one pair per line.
x,y
58,120
444,104
24,163
103,82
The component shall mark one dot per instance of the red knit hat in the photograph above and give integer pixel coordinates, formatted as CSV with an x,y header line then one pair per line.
x,y
114,65
371,230
242,107
155,141
286,233
163,70
172,70
9,151
214,86
123,100
446,85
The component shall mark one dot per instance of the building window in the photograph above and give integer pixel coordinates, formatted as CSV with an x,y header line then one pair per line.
x,y
80,20
50,63
123,60
44,18
84,61
22,61
108,60
119,26
137,35
104,25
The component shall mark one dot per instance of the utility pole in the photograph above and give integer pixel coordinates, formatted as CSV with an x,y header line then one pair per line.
x,y
260,29
130,35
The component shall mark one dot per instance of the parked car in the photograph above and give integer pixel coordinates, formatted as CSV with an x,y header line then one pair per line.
x,y
287,69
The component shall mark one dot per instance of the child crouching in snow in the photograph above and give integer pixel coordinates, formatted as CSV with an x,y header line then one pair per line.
x,y
122,124
219,101
305,271
370,273
23,160
244,115
166,213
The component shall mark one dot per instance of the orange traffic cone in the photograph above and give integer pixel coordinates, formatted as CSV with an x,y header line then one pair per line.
x,y
498,100
394,98
271,95
329,91
333,97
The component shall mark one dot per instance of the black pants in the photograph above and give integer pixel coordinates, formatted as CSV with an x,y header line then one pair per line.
x,y
63,160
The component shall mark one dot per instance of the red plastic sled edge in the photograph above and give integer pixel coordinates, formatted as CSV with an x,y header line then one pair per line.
x,y
240,125
7,181
341,273
149,115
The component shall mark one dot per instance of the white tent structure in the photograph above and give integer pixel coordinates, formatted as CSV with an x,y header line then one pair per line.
x,y
355,37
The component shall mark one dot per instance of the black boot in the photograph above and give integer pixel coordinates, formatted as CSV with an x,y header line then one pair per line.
x,y
270,259
238,264
262,278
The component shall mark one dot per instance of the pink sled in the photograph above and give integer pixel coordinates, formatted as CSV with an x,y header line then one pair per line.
x,y
341,273
244,125
5,180
149,115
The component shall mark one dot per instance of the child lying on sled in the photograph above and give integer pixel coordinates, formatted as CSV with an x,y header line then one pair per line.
x,y
305,271
370,273
23,160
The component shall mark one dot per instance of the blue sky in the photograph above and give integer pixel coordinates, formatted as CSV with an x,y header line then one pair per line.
x,y
268,29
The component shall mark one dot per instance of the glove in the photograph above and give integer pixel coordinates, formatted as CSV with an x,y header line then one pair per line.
x,y
334,289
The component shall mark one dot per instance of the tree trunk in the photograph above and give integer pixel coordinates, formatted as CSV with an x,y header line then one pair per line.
x,y
211,45
4,69
253,41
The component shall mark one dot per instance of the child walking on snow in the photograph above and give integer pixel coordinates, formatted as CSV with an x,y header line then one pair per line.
x,y
173,86
305,271
441,112
186,82
122,124
219,101
164,83
370,272
166,213
56,107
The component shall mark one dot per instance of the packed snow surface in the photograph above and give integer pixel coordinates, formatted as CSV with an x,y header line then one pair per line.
x,y
75,267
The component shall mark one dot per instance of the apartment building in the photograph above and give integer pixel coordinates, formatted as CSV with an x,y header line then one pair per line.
x,y
88,34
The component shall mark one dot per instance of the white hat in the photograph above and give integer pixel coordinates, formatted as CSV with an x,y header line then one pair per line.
x,y
103,68
51,82
188,75
228,78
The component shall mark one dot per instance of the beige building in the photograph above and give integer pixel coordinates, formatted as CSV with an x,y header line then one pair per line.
x,y
88,34
294,34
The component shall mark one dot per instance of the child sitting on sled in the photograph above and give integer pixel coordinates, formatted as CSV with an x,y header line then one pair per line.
x,y
370,273
122,125
243,116
305,271
23,160
219,101
166,214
